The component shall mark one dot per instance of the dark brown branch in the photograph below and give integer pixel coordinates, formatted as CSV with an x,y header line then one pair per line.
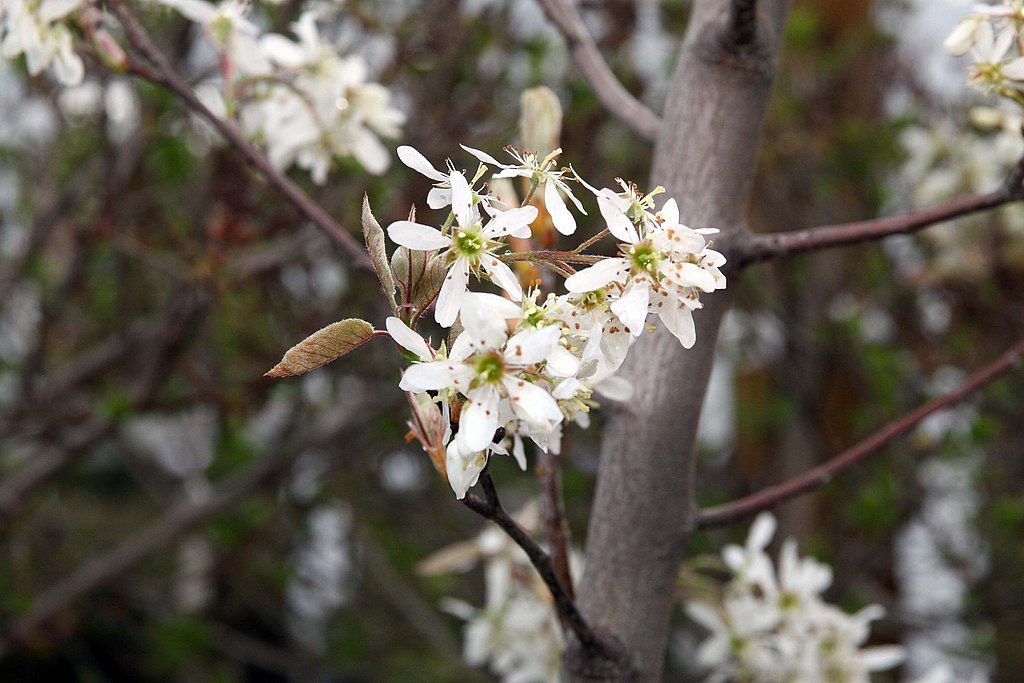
x,y
753,248
490,508
818,476
609,90
163,74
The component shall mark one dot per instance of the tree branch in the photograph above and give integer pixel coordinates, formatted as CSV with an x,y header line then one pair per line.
x,y
818,476
163,74
549,477
609,90
491,509
753,248
108,566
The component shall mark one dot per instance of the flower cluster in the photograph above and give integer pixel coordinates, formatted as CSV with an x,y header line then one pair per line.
x,y
36,29
776,628
304,102
522,365
516,631
992,35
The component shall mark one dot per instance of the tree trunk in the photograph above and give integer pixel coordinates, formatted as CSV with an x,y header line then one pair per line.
x,y
644,510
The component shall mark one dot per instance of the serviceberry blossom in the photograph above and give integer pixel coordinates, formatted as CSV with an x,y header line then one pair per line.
x,y
492,370
776,628
516,632
302,101
663,267
992,36
468,246
543,177
36,29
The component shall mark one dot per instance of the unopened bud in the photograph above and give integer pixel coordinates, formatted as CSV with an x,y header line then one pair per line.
x,y
540,120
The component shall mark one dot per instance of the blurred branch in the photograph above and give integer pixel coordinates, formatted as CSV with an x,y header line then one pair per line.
x,y
818,476
173,336
110,565
163,74
609,90
754,248
491,509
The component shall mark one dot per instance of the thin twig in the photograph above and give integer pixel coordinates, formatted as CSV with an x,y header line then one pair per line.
x,y
609,90
755,248
818,476
549,477
552,256
163,74
590,242
491,509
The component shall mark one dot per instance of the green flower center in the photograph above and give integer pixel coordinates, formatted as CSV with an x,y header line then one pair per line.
x,y
489,368
645,258
593,299
469,243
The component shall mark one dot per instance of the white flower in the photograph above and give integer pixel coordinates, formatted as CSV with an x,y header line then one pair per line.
x,y
542,175
469,247
496,373
664,266
781,631
33,28
990,70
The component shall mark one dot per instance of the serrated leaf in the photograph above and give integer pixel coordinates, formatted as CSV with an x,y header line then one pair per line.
x,y
373,234
323,346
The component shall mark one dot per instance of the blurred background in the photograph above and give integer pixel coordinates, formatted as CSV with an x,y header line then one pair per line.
x,y
169,514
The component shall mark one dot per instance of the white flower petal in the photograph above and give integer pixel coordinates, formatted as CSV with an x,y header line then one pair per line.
x,y
417,162
882,657
597,275
531,346
560,215
761,531
618,223
495,305
562,363
407,338
446,310
670,212
518,452
962,37
417,236
692,275
484,157
462,198
431,376
1014,69
502,276
479,419
510,221
463,470
632,307
439,197
531,403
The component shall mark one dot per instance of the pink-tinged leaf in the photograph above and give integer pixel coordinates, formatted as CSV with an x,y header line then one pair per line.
x,y
323,346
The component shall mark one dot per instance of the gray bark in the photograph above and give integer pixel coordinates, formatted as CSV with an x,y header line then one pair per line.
x,y
644,510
